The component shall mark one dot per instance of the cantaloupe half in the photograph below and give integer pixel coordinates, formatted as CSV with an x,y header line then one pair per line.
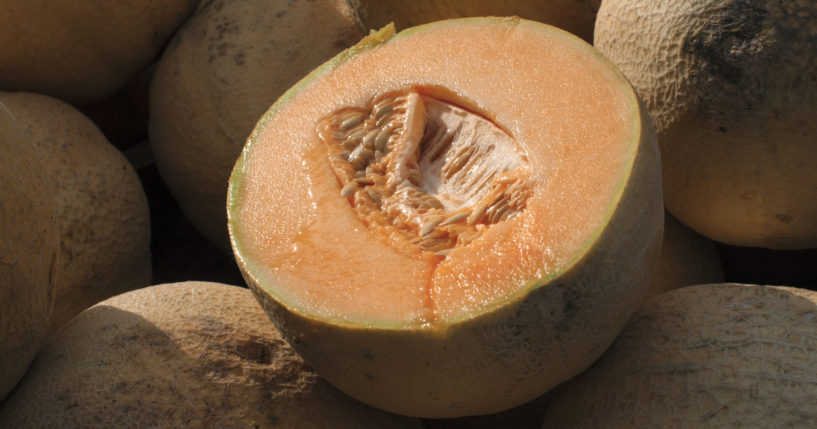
x,y
451,220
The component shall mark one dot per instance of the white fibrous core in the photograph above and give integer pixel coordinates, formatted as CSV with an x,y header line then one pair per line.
x,y
424,171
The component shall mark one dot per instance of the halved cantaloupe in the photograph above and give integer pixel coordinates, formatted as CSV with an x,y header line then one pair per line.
x,y
451,220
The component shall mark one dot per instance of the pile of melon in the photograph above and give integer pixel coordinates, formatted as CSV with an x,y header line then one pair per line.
x,y
458,214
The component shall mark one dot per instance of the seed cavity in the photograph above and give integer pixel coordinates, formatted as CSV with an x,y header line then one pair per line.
x,y
435,175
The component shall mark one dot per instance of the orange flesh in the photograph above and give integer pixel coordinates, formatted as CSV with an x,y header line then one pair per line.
x,y
573,116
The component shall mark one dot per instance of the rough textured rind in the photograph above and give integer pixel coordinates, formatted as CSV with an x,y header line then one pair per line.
x,y
720,355
29,243
687,258
575,16
222,70
518,349
104,220
82,50
732,88
178,355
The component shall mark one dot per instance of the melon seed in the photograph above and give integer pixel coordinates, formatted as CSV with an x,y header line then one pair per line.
x,y
442,173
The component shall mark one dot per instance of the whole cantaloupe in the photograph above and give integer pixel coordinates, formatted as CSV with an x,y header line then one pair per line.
x,y
29,242
731,86
180,355
82,50
222,70
718,355
104,220
575,16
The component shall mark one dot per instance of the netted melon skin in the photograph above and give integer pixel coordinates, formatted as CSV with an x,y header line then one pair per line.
x,y
718,355
104,218
219,74
83,50
29,245
575,16
191,354
731,88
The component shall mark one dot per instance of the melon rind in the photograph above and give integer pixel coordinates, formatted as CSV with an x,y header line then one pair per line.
x,y
180,355
29,248
714,355
511,351
731,88
103,213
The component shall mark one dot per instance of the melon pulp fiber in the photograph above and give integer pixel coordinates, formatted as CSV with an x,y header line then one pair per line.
x,y
402,288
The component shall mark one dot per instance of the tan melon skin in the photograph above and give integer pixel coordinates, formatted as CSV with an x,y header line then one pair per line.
x,y
508,355
82,50
221,72
104,219
180,355
732,90
575,16
29,243
718,355
687,258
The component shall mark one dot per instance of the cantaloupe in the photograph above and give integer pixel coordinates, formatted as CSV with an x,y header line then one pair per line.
x,y
103,215
575,16
220,73
732,88
180,355
687,258
29,242
81,51
454,219
719,355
